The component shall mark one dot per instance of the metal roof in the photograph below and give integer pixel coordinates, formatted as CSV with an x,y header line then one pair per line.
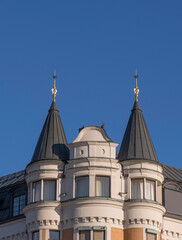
x,y
172,173
52,143
12,179
137,143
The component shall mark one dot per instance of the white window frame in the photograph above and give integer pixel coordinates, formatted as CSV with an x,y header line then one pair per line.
x,y
109,185
77,177
144,188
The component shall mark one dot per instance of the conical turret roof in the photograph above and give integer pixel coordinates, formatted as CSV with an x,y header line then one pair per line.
x,y
137,143
52,143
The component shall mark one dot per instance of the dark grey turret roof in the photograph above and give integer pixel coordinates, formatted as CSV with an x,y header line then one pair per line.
x,y
52,143
137,143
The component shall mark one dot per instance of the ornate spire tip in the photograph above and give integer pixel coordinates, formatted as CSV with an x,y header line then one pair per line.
x,y
136,89
54,90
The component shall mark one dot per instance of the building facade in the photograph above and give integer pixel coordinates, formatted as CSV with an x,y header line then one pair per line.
x,y
87,191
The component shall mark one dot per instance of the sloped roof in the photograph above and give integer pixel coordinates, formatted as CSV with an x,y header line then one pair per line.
x,y
12,179
52,143
172,173
137,143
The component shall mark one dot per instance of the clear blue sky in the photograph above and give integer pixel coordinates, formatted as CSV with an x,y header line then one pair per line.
x,y
95,47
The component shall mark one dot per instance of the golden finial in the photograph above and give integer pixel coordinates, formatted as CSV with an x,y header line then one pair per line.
x,y
136,89
54,90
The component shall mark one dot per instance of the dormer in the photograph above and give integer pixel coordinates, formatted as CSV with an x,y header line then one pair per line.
x,y
92,142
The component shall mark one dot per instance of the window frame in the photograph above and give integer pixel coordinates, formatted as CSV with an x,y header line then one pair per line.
x,y
154,234
85,230
50,180
155,190
34,233
19,204
79,177
104,176
33,190
144,180
99,230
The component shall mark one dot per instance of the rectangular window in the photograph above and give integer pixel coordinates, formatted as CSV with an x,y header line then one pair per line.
x,y
137,188
54,235
84,235
150,190
102,186
151,236
99,235
36,191
82,186
18,204
49,190
35,235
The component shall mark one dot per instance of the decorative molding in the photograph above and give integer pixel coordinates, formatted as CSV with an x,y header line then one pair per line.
x,y
17,236
171,234
142,221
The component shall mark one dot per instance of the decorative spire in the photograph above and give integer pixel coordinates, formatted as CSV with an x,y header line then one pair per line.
x,y
54,90
136,89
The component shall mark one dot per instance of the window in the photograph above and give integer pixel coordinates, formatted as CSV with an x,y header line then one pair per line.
x,y
150,190
102,186
35,235
54,235
49,190
84,235
18,204
82,187
143,189
99,235
36,191
151,236
137,188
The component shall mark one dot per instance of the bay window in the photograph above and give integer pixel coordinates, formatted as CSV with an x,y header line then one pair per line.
x,y
150,190
137,188
82,186
36,191
49,190
44,190
143,189
102,186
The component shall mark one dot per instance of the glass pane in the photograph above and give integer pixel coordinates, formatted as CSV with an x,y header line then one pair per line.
x,y
84,235
16,206
82,188
36,191
54,235
151,236
137,189
102,186
49,190
35,236
99,235
22,203
150,187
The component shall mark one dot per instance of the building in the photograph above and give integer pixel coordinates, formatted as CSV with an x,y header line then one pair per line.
x,y
86,191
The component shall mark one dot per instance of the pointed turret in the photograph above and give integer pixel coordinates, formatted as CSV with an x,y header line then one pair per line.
x,y
52,143
137,143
